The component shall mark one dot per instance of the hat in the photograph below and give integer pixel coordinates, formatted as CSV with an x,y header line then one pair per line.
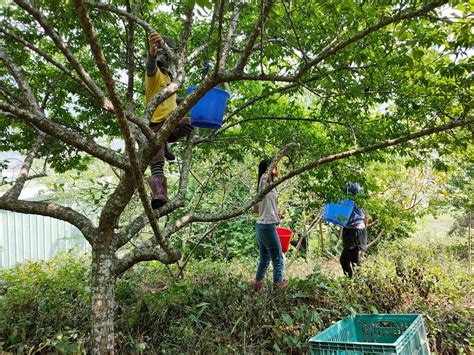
x,y
170,41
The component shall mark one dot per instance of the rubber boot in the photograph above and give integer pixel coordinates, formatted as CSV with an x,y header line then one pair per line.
x,y
257,285
280,285
159,191
169,155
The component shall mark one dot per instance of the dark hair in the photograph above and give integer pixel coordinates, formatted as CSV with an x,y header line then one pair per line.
x,y
262,167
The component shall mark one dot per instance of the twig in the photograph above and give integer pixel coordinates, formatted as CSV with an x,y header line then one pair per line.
x,y
204,236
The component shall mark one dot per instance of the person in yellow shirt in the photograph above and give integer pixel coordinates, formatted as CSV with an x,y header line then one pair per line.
x,y
159,73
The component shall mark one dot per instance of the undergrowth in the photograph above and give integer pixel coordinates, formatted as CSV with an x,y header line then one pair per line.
x,y
45,306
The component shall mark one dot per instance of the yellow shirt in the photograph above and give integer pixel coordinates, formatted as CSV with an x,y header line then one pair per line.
x,y
154,85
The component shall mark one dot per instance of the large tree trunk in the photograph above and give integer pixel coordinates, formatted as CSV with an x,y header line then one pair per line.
x,y
103,302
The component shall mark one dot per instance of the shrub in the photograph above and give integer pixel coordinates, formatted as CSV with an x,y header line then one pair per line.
x,y
46,305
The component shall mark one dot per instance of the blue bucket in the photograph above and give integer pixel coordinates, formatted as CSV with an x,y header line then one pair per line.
x,y
339,213
209,111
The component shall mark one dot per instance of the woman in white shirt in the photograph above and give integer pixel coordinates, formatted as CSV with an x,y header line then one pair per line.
x,y
269,245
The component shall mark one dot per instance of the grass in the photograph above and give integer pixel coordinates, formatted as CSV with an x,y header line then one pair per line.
x,y
213,310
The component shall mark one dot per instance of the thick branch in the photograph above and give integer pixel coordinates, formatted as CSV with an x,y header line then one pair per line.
x,y
212,217
14,192
230,35
20,80
39,17
220,4
194,54
188,22
51,210
178,201
129,139
148,250
68,136
377,239
130,59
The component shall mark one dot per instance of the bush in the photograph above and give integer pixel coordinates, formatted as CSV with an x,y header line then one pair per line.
x,y
214,310
45,304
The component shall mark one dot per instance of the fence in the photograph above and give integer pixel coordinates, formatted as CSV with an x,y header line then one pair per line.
x,y
32,237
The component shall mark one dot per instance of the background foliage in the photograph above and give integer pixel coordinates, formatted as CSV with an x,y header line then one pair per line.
x,y
45,305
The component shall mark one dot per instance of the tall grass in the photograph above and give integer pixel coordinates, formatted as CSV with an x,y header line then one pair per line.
x,y
45,305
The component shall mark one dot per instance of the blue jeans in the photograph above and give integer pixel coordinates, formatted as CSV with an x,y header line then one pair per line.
x,y
269,248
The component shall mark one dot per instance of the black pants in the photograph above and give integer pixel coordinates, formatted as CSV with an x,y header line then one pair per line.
x,y
349,258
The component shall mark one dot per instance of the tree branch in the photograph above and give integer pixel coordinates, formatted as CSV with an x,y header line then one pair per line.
x,y
220,23
20,80
248,48
376,240
147,27
39,17
130,59
111,8
14,192
289,87
68,136
50,210
204,236
188,22
269,118
212,217
327,52
178,201
148,250
293,28
129,139
230,35
46,56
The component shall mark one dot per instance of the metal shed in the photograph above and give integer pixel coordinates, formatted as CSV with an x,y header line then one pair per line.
x,y
33,237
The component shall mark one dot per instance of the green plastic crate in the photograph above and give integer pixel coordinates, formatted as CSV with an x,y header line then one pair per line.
x,y
373,334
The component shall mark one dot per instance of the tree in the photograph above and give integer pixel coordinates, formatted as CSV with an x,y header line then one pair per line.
x,y
316,82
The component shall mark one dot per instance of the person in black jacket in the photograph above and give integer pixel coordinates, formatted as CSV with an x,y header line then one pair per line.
x,y
354,234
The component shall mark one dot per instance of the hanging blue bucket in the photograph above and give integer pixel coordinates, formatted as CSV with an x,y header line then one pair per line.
x,y
208,112
339,213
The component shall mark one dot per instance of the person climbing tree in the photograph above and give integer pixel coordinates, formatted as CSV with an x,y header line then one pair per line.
x,y
269,245
354,234
159,73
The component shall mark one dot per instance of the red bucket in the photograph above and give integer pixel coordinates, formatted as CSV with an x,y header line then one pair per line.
x,y
285,237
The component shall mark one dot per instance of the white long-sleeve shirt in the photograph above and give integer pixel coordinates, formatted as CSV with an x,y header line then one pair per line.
x,y
268,207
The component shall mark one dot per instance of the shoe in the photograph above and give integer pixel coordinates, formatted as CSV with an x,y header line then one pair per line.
x,y
169,155
159,191
280,285
257,285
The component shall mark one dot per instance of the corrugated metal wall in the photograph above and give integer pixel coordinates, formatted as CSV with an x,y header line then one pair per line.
x,y
32,237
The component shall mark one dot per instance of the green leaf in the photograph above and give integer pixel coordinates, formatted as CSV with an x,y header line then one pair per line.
x,y
418,53
287,319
